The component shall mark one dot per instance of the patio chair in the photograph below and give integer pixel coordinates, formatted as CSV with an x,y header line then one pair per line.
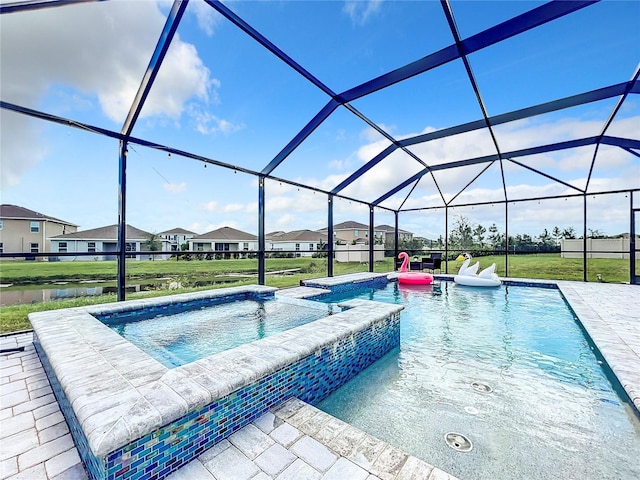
x,y
433,263
415,265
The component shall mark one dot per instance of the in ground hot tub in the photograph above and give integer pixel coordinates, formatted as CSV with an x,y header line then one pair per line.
x,y
133,417
179,333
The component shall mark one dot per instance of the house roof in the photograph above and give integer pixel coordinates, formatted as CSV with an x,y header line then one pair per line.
x,y
105,233
226,233
178,231
300,236
22,213
349,225
389,228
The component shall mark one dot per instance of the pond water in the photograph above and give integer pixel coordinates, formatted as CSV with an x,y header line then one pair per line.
x,y
21,295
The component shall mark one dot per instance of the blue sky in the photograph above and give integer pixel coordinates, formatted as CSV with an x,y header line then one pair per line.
x,y
221,95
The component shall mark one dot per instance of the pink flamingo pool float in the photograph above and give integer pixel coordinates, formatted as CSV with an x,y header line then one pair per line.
x,y
412,278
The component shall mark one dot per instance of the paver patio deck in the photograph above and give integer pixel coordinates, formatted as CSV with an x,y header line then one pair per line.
x,y
35,442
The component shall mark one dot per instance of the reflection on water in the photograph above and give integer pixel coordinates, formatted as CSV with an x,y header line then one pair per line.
x,y
11,296
51,292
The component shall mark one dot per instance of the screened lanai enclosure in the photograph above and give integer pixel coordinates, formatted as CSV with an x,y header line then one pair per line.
x,y
498,128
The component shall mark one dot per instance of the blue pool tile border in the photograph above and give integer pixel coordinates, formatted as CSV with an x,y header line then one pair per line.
x,y
170,308
310,379
309,363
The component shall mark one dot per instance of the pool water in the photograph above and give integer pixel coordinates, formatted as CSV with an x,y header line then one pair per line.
x,y
553,411
182,335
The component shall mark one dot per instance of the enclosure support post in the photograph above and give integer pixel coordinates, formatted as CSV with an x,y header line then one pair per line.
x,y
446,239
371,239
122,221
261,243
330,235
395,242
506,238
633,279
584,237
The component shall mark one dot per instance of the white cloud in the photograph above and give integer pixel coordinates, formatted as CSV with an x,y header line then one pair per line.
x,y
175,187
208,123
20,148
214,206
570,165
368,151
361,11
287,222
211,206
208,19
615,169
339,164
233,207
88,50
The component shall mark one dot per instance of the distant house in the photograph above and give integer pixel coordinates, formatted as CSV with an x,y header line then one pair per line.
x,y
353,232
224,240
176,237
103,241
25,231
386,233
349,232
296,241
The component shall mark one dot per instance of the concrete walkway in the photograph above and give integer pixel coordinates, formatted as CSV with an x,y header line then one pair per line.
x,y
295,441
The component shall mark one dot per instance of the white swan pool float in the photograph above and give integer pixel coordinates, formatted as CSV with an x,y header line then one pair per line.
x,y
467,274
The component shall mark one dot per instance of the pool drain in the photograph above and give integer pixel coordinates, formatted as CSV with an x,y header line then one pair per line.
x,y
481,387
458,442
471,410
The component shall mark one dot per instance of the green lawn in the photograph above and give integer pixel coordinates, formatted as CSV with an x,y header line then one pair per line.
x,y
552,266
191,274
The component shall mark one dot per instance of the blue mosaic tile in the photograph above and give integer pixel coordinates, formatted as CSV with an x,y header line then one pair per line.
x,y
311,379
132,313
377,282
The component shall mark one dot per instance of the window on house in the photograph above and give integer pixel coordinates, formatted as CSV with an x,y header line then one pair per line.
x,y
35,227
222,247
91,247
0,224
356,233
199,247
311,246
130,247
35,248
297,247
245,246
1,247
62,247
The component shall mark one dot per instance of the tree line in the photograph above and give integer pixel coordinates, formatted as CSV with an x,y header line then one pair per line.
x,y
466,236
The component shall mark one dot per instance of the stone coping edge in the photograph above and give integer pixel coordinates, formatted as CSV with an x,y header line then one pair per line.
x,y
368,452
119,393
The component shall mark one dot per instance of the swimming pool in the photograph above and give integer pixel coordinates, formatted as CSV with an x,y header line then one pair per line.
x,y
553,411
182,333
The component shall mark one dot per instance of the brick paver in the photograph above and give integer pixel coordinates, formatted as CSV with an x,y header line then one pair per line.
x,y
296,441
35,442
